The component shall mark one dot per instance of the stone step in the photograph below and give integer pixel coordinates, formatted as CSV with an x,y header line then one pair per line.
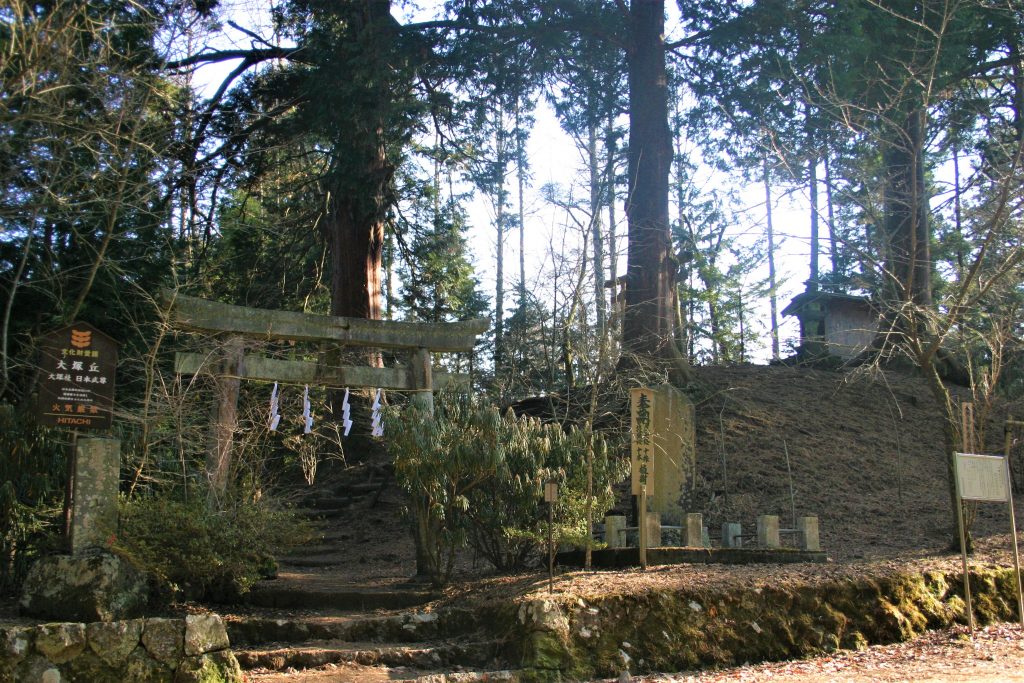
x,y
498,676
420,656
312,513
405,627
357,488
333,502
314,560
355,673
298,597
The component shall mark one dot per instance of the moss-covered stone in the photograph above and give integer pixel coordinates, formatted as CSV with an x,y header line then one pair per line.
x,y
97,587
140,667
164,639
92,668
216,667
60,643
114,641
204,633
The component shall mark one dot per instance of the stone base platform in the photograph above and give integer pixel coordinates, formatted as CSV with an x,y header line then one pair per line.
x,y
630,557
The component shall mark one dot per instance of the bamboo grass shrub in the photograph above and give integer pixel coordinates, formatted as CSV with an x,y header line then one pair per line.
x,y
33,472
475,477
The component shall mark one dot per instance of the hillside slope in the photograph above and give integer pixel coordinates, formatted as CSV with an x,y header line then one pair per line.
x,y
865,452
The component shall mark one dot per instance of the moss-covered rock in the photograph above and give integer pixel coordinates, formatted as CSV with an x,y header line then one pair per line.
x,y
113,641
97,587
216,667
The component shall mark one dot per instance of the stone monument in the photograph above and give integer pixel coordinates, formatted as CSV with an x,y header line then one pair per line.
x,y
90,584
664,455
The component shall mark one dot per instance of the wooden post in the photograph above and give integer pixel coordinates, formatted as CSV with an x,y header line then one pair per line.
x,y
1016,551
641,523
225,418
963,545
421,380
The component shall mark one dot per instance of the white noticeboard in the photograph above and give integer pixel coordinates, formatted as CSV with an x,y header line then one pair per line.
x,y
983,477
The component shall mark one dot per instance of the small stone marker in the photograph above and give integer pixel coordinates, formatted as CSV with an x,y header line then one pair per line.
x,y
663,447
807,527
653,530
732,535
693,530
614,531
94,516
768,531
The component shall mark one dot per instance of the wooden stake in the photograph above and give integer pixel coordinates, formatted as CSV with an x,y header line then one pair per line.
x,y
1016,552
642,525
963,545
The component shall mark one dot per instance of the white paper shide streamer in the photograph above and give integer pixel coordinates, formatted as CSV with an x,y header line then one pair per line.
x,y
346,414
275,414
307,417
376,423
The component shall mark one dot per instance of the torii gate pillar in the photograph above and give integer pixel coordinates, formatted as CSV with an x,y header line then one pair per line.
x,y
421,379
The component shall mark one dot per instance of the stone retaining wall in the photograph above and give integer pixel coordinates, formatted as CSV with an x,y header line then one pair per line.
x,y
570,639
190,650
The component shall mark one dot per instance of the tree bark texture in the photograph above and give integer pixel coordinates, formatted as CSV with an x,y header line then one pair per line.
x,y
907,228
647,327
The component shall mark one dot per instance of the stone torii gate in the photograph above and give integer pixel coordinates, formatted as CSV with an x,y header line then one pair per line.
x,y
419,340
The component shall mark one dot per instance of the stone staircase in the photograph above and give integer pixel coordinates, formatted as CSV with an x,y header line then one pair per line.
x,y
344,609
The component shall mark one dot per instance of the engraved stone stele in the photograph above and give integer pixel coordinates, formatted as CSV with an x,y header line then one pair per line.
x,y
94,516
663,447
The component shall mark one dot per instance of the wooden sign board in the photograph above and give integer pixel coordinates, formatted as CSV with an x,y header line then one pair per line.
x,y
641,414
78,364
983,477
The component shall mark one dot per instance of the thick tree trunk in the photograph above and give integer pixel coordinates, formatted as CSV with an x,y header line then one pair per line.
x,y
647,333
356,245
773,298
812,175
907,228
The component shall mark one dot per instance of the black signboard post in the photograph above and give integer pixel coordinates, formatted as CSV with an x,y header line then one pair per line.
x,y
76,390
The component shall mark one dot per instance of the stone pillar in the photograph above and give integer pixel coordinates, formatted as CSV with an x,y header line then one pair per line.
x,y
94,506
692,530
731,535
227,386
768,531
653,530
614,531
421,376
807,529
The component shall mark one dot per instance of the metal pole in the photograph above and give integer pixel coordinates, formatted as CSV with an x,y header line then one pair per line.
x,y
963,544
1016,553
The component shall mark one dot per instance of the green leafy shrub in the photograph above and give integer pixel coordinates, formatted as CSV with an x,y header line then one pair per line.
x,y
476,477
205,553
33,471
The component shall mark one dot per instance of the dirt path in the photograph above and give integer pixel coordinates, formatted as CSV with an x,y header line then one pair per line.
x,y
995,655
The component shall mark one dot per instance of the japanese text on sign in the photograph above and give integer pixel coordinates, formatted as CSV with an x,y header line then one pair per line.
x,y
641,401
78,363
982,477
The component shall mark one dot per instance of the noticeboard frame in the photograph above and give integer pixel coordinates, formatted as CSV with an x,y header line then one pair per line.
x,y
982,492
